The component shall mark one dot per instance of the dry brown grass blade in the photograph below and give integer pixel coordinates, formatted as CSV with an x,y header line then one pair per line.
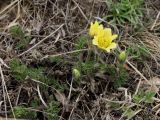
x,y
65,53
11,119
155,21
138,72
33,47
40,97
81,11
10,6
5,91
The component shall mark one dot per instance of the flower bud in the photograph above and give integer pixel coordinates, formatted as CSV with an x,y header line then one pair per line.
x,y
76,73
122,56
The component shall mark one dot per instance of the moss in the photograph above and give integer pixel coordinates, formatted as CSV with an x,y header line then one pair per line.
x,y
52,110
20,71
23,112
18,33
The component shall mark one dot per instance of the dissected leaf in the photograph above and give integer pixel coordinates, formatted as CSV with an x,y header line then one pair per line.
x,y
149,97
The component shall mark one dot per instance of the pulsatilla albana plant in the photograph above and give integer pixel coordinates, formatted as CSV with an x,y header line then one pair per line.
x,y
102,37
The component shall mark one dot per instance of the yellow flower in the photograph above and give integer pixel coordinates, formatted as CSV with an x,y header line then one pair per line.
x,y
104,39
95,28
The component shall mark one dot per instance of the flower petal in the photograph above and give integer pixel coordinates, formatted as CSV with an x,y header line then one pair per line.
x,y
95,28
108,32
96,23
108,50
95,41
114,36
111,46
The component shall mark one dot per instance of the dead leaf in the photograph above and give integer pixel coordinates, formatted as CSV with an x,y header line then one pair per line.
x,y
152,85
153,81
60,97
64,101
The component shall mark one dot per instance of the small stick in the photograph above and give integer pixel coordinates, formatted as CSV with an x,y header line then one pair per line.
x,y
81,11
155,21
70,90
138,86
40,96
34,46
19,91
138,72
5,90
70,52
10,5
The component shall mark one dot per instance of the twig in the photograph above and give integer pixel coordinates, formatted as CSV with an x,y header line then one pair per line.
x,y
138,86
70,52
3,63
112,101
77,100
137,71
90,112
4,99
81,11
47,86
155,21
19,91
5,90
6,8
70,90
40,96
39,42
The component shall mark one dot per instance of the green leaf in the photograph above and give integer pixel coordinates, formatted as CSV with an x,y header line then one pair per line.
x,y
82,42
149,97
17,32
138,98
53,110
22,112
22,39
129,113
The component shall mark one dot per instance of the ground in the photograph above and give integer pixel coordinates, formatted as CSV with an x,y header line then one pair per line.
x,y
50,70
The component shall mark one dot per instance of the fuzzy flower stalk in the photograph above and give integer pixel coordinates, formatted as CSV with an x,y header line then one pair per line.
x,y
102,37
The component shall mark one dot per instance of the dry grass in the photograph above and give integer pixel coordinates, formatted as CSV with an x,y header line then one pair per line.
x,y
54,27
